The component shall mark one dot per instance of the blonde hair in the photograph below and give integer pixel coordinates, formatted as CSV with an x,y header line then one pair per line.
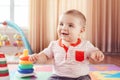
x,y
79,15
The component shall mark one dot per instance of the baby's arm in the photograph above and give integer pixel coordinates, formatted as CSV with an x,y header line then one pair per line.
x,y
40,58
96,57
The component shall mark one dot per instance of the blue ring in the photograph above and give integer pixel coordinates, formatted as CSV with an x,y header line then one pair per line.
x,y
25,71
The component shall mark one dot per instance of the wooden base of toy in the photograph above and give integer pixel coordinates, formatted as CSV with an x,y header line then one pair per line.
x,y
5,78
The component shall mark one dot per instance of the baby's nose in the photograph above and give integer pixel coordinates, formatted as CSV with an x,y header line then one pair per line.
x,y
64,27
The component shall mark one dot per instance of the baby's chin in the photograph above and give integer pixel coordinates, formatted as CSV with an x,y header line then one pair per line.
x,y
66,39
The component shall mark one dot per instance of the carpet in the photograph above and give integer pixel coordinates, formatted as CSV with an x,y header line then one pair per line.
x,y
105,72
97,72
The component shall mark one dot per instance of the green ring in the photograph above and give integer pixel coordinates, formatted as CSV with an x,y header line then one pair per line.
x,y
3,62
25,66
3,71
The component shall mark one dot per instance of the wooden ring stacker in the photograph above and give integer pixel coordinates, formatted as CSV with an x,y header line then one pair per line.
x,y
25,71
25,66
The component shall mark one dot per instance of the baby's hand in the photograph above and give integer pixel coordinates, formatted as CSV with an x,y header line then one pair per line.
x,y
39,58
97,56
34,58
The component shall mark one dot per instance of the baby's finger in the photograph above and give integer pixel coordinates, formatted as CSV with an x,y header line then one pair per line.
x,y
94,57
33,58
100,57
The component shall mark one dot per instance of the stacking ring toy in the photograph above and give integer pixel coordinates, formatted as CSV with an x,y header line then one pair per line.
x,y
25,62
3,68
25,71
5,74
25,66
2,59
24,58
2,62
3,65
4,71
2,55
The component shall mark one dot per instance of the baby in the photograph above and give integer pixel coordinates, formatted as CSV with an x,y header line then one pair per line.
x,y
70,53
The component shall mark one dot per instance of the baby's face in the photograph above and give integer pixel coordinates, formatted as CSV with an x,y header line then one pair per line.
x,y
69,28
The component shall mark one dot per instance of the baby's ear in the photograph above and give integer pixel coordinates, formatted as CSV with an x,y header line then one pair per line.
x,y
82,30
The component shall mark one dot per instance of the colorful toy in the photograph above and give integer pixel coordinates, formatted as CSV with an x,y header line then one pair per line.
x,y
25,67
1,44
17,28
18,41
4,73
5,40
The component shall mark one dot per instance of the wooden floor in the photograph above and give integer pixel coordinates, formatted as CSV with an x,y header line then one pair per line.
x,y
112,59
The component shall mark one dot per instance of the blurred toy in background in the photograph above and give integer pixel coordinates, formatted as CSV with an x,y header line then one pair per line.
x,y
18,41
1,40
5,40
18,54
19,30
4,72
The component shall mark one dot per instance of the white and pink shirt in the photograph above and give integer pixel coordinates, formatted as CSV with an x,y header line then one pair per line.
x,y
70,61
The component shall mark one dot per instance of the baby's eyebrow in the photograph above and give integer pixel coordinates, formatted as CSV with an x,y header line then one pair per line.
x,y
71,23
60,22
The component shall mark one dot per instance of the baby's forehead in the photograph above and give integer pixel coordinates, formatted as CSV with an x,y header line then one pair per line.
x,y
73,16
69,17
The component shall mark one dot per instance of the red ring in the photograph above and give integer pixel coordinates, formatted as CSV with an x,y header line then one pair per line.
x,y
5,74
2,55
24,58
3,65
